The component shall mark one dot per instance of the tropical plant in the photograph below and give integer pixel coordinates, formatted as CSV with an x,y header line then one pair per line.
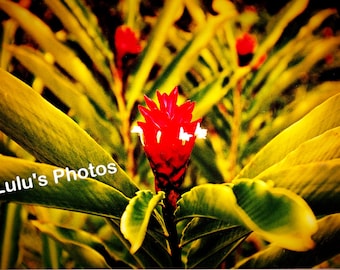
x,y
260,189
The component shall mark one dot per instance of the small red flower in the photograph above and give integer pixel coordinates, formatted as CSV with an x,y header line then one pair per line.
x,y
328,32
126,43
245,44
245,48
168,136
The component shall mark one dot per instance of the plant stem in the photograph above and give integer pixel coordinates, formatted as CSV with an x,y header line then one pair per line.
x,y
235,130
169,218
124,117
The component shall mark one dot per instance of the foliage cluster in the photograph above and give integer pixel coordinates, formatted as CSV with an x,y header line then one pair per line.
x,y
270,164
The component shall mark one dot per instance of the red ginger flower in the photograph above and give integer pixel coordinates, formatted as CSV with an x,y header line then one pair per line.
x,y
126,43
245,44
245,48
168,136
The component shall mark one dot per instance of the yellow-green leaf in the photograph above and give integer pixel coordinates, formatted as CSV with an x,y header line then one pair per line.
x,y
149,55
11,222
277,214
50,135
322,118
29,182
320,148
135,218
327,245
70,93
88,249
87,37
317,182
63,55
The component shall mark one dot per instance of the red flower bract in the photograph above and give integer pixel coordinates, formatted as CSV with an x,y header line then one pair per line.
x,y
126,42
168,136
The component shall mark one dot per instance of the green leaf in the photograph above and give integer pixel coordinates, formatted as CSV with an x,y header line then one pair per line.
x,y
278,215
11,222
50,135
70,93
221,245
327,245
209,201
317,182
206,162
9,28
149,55
281,79
204,227
294,112
201,233
181,63
320,148
88,250
278,25
114,240
135,218
152,254
211,93
89,21
51,252
88,36
304,34
312,171
278,72
64,56
322,118
83,195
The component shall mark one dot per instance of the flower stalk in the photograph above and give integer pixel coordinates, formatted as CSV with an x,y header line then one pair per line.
x,y
235,130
